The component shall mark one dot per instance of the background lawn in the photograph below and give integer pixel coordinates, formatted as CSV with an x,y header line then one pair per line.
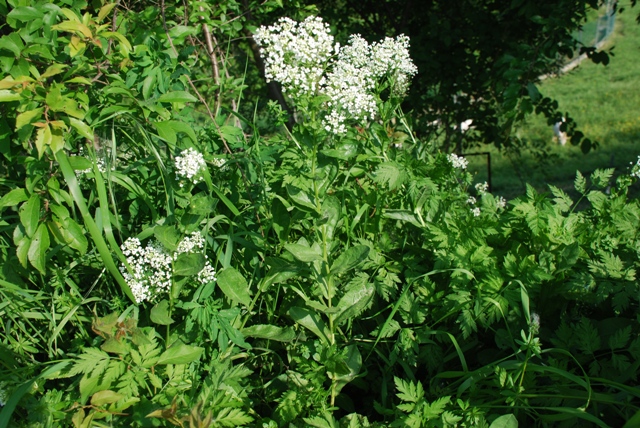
x,y
604,101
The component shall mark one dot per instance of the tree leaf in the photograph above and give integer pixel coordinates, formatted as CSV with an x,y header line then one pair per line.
x,y
13,198
234,286
107,396
7,96
180,353
177,97
160,313
25,13
349,259
30,214
27,117
311,321
82,128
38,248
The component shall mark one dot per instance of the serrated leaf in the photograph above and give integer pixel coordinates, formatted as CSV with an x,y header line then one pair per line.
x,y
354,302
180,353
620,338
580,183
349,259
234,286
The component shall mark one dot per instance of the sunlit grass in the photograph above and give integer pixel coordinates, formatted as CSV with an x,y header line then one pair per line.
x,y
603,100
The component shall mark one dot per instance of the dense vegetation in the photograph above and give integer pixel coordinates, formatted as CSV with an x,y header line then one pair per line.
x,y
173,254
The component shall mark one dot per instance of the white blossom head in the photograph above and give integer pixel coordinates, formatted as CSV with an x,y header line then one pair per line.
x,y
482,188
457,161
635,169
190,166
475,211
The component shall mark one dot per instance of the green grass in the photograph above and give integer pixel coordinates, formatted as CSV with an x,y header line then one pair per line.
x,y
604,101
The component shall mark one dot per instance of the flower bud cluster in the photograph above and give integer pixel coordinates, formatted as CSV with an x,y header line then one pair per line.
x,y
151,266
189,166
305,60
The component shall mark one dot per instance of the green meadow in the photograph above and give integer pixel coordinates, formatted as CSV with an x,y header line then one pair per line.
x,y
605,103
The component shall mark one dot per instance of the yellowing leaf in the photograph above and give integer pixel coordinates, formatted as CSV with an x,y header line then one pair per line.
x,y
52,70
105,10
27,117
6,96
43,139
74,27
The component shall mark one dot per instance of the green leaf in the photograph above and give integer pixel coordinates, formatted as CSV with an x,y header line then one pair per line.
x,y
38,248
177,97
168,236
354,302
301,197
107,396
403,215
505,421
166,131
53,70
180,353
304,253
188,264
44,138
82,128
30,214
344,151
27,117
234,286
7,96
331,210
160,313
25,13
13,43
349,259
270,332
13,198
580,183
281,219
105,10
311,321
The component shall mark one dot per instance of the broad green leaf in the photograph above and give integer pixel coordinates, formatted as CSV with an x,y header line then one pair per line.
x,y
67,231
403,215
188,264
38,248
349,259
13,198
168,236
166,131
303,253
22,250
281,220
160,313
80,163
180,353
7,96
354,302
30,214
25,13
270,332
310,320
344,151
107,396
331,210
53,70
505,421
57,140
301,197
105,10
43,139
347,369
13,43
82,128
27,117
234,286
177,97
74,27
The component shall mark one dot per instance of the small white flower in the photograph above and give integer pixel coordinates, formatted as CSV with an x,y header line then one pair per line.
x,y
501,202
458,161
635,169
475,211
189,165
482,187
190,244
471,200
207,274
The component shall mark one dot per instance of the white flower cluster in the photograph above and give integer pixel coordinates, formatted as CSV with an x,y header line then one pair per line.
x,y
195,244
482,188
501,202
297,53
305,60
189,166
475,211
150,269
4,395
471,200
457,161
151,266
635,169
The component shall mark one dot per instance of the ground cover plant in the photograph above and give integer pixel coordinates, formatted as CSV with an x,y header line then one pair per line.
x,y
165,264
